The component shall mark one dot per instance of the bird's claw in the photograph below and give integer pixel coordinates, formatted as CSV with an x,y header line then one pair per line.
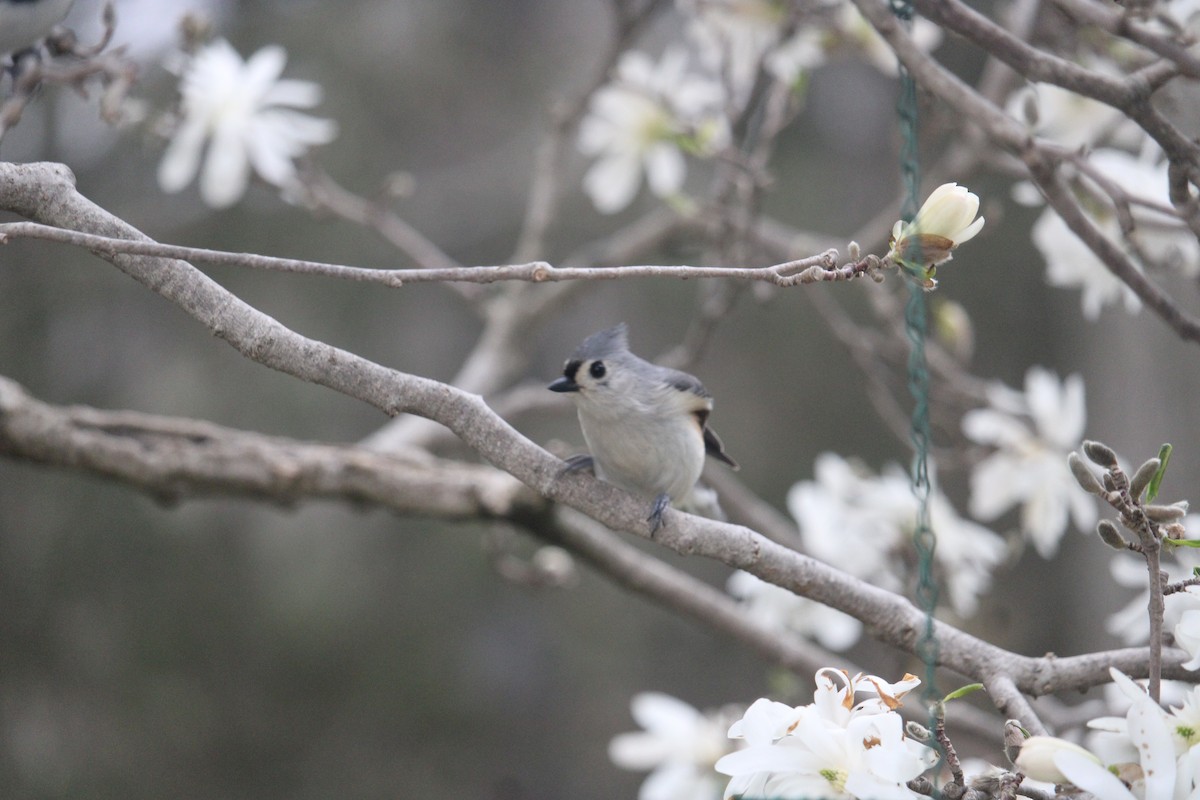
x,y
579,463
661,504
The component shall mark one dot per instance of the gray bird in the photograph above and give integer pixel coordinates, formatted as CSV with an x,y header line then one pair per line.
x,y
646,426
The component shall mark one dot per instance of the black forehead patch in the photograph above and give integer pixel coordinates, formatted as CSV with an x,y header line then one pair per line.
x,y
572,368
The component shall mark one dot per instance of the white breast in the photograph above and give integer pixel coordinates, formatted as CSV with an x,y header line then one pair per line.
x,y
646,454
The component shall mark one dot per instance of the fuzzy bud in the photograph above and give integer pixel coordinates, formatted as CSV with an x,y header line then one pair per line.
x,y
1110,534
1167,513
1100,454
1083,476
1141,479
916,730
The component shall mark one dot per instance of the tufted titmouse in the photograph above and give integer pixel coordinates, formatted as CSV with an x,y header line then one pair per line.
x,y
23,22
645,425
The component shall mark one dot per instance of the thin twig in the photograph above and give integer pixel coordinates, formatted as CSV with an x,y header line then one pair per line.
x,y
814,269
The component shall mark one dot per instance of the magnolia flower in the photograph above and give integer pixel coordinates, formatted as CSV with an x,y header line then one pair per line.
x,y
829,748
1160,240
734,36
846,503
778,609
1071,264
248,113
1154,775
679,745
1070,119
1129,623
1187,636
946,220
1036,758
642,122
1032,432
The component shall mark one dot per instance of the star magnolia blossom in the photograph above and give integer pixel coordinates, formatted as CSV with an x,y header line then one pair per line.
x,y
1032,433
845,503
679,745
946,220
246,114
829,748
780,610
733,36
1167,761
1157,240
641,122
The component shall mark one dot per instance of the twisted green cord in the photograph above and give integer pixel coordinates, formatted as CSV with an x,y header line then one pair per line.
x,y
915,323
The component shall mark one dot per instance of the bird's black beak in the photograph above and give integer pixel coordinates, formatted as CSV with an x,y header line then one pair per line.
x,y
564,384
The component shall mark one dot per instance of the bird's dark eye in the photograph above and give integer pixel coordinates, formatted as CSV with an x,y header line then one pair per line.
x,y
597,370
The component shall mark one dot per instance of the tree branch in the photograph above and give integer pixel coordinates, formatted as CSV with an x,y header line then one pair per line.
x,y
45,192
814,269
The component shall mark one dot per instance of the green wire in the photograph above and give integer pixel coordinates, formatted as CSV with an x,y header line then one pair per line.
x,y
915,323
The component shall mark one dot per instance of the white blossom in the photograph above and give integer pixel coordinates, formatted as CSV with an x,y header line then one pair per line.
x,y
1157,237
1156,775
1067,118
641,122
734,36
246,114
1036,758
858,522
778,609
945,220
1032,433
1129,623
1071,264
831,748
1187,636
678,745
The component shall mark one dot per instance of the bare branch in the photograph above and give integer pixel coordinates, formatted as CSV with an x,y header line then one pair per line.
x,y
1119,23
1042,159
45,192
814,269
173,459
322,193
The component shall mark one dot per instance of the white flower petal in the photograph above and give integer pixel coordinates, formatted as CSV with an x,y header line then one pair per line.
x,y
248,112
226,170
612,182
181,161
1092,777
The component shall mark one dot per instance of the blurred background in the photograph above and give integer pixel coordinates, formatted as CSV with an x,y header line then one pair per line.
x,y
220,648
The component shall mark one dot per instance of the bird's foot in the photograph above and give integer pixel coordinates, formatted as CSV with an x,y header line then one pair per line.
x,y
579,463
661,504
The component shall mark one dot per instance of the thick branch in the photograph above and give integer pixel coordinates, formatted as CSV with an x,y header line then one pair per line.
x,y
45,192
174,459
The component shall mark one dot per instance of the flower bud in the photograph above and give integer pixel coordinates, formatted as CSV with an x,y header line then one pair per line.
x,y
1083,476
1100,453
1141,479
1167,513
916,730
1110,534
946,220
1036,759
